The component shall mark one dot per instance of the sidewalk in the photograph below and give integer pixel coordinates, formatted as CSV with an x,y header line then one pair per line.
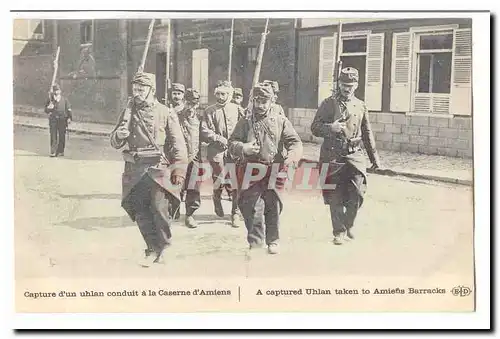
x,y
413,165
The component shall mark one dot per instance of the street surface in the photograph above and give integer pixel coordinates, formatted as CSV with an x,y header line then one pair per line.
x,y
69,223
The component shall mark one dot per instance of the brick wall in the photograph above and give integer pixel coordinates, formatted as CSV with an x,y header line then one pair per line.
x,y
398,132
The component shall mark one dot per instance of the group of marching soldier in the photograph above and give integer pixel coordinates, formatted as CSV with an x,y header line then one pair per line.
x,y
164,152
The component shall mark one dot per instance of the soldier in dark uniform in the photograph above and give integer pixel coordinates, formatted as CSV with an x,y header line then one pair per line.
x,y
155,164
265,137
190,127
59,110
217,126
342,120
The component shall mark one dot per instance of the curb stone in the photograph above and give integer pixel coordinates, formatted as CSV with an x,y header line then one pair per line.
x,y
384,172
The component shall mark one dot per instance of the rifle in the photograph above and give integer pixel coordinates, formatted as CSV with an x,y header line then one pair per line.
x,y
125,117
168,83
230,52
54,75
258,66
338,63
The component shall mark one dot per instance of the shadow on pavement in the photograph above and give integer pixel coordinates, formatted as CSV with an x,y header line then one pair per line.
x,y
94,223
110,196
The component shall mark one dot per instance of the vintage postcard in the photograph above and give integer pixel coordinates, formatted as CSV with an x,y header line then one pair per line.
x,y
245,162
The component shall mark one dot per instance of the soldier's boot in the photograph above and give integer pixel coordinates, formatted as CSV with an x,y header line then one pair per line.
x,y
236,220
148,259
273,248
52,155
349,234
190,222
338,238
219,210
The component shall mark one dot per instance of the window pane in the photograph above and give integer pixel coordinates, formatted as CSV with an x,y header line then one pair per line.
x,y
441,73
441,41
424,72
354,45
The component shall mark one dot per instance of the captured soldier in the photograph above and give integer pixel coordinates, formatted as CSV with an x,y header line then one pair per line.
x,y
59,110
156,154
190,126
342,120
217,126
264,137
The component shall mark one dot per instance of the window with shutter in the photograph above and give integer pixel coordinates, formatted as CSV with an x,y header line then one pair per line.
x,y
432,71
461,91
401,72
200,73
327,52
374,68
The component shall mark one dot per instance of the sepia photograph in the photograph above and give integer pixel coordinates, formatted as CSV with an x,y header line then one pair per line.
x,y
244,162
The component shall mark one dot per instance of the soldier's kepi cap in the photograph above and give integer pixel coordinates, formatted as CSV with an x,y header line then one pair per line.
x,y
178,87
349,75
192,94
263,91
238,91
145,79
56,87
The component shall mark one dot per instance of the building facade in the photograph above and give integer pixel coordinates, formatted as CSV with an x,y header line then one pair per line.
x,y
415,74
415,77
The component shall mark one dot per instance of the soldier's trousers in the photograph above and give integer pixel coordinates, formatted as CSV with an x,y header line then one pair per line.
x,y
345,200
217,169
193,197
260,208
152,214
57,128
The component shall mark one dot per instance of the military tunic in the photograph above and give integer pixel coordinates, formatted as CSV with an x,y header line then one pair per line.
x,y
217,124
346,164
145,184
278,142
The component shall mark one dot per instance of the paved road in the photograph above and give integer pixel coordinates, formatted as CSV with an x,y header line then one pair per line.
x,y
69,223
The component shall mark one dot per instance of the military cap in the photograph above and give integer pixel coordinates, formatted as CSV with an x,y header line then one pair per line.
x,y
274,84
263,90
238,91
56,87
145,79
349,75
178,87
192,94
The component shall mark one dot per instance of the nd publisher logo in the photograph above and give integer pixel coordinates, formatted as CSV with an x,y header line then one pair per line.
x,y
461,291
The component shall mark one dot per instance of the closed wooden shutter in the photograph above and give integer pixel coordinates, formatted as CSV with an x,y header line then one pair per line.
x,y
461,91
327,50
374,72
401,72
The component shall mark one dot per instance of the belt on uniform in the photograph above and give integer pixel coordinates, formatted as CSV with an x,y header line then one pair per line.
x,y
142,156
